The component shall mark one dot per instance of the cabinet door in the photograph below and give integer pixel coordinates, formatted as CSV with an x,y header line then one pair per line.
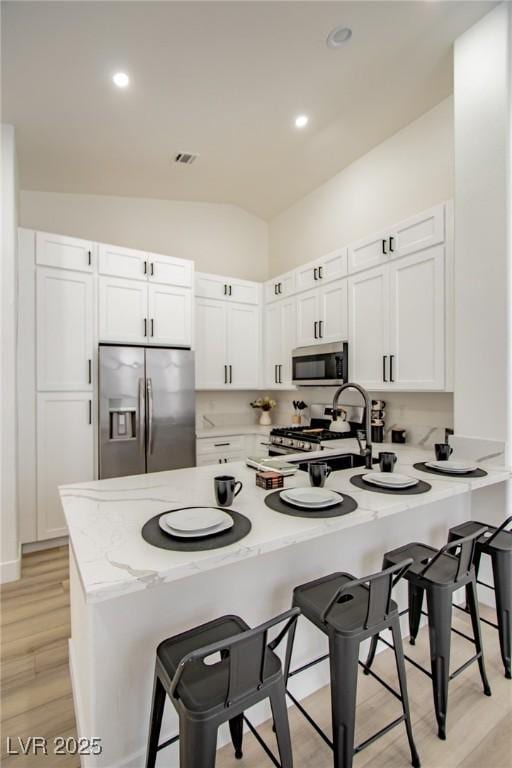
x,y
369,328
334,312
288,340
244,346
64,330
230,289
417,320
308,315
243,291
122,262
123,308
272,343
211,344
369,252
65,252
307,276
334,265
280,287
419,232
169,270
211,286
170,315
65,454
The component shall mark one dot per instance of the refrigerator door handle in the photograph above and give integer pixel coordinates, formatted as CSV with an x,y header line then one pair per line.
x,y
142,411
149,390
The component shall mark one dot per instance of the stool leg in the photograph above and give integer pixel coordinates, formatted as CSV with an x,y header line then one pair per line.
x,y
439,603
343,657
198,743
402,679
281,725
236,729
476,564
475,622
289,651
502,571
371,654
415,599
155,721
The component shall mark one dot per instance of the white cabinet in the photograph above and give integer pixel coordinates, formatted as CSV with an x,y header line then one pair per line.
x,y
65,252
322,314
123,310
117,261
227,288
417,323
170,271
170,315
330,267
65,454
221,450
397,324
280,336
368,252
280,287
228,345
65,330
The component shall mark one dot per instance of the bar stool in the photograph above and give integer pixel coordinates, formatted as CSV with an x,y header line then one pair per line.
x,y
349,610
212,673
439,573
497,543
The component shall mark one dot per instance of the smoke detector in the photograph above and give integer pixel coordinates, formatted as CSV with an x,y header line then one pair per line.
x,y
185,158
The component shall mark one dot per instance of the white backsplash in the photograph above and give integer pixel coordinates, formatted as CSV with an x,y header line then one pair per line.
x,y
424,415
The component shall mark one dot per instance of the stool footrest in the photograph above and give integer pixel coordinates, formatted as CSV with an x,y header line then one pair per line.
x,y
260,741
167,743
465,665
484,621
381,681
483,584
308,665
371,739
411,661
310,719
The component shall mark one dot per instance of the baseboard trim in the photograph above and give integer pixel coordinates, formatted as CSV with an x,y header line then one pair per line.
x,y
37,546
10,570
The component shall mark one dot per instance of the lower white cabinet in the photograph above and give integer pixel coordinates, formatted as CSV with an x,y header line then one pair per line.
x,y
280,335
221,450
65,453
322,314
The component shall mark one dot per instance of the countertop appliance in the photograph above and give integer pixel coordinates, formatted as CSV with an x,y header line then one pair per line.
x,y
285,440
321,365
146,409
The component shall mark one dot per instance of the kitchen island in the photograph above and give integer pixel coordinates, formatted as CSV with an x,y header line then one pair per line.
x,y
126,595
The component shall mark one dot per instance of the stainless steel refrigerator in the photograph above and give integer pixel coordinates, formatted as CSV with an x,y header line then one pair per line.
x,y
146,410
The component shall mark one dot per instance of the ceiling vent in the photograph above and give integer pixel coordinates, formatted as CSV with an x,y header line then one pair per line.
x,y
186,158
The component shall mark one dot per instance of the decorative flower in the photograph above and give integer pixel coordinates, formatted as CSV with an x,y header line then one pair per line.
x,y
265,403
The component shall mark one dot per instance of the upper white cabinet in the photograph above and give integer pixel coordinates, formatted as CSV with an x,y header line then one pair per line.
x,y
169,270
65,330
243,346
65,453
170,315
322,314
420,231
280,287
280,339
123,310
330,267
211,344
117,261
369,327
228,288
65,252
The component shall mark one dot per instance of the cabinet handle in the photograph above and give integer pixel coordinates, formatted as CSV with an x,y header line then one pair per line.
x,y
280,287
384,251
90,411
275,289
320,272
320,329
391,357
225,290
151,269
314,330
391,244
89,367
315,273
384,359
225,374
89,258
145,326
275,374
152,327
145,267
230,374
280,378
230,287
220,445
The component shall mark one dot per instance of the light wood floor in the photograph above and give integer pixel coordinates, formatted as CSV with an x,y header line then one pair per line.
x,y
36,692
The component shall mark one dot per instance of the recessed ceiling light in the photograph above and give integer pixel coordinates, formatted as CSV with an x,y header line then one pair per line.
x,y
301,121
338,37
121,79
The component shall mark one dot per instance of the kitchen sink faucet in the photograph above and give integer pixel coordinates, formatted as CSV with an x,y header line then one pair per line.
x,y
367,451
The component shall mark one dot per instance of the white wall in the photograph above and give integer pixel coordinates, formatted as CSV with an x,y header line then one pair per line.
x,y
9,544
223,239
483,66
408,172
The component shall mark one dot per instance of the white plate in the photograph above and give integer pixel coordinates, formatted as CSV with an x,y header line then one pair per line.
x,y
311,498
224,526
390,480
455,467
195,519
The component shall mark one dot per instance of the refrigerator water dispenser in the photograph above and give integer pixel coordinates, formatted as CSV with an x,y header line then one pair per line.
x,y
123,423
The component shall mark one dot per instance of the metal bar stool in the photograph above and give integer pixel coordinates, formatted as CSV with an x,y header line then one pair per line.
x,y
212,674
349,610
497,543
439,573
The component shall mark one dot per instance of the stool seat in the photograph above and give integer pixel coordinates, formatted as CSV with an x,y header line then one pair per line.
x,y
443,571
203,686
346,616
502,542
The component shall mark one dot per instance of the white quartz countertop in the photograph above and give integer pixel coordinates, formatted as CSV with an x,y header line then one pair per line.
x,y
105,517
252,429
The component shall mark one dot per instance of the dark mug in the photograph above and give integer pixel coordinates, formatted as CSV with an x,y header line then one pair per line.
x,y
443,451
226,489
387,461
318,473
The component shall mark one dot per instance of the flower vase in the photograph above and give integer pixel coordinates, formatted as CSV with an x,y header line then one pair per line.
x,y
265,420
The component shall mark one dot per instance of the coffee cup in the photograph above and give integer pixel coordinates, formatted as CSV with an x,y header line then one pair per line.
x,y
226,489
318,473
443,451
387,461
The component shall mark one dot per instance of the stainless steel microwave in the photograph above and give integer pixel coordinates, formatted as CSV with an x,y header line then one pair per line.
x,y
321,365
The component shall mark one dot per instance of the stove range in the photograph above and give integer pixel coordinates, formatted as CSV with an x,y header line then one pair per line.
x,y
310,438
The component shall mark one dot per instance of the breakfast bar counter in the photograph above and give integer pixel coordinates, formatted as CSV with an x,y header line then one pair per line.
x,y
127,595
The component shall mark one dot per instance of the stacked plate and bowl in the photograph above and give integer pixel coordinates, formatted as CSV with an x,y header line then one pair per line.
x,y
390,480
452,467
196,522
314,499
